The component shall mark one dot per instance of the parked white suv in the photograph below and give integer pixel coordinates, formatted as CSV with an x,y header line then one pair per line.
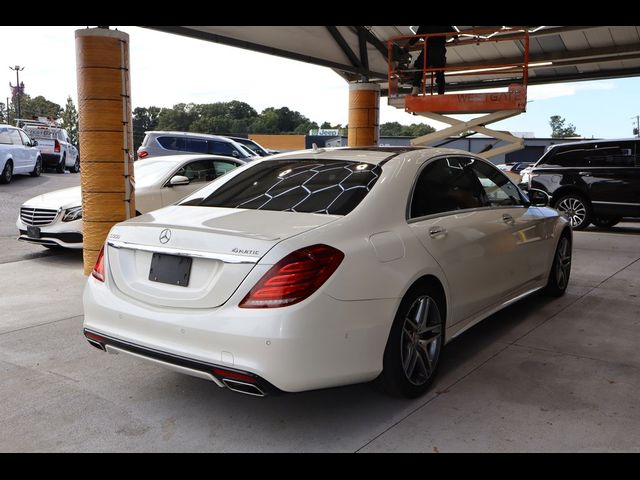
x,y
55,147
18,154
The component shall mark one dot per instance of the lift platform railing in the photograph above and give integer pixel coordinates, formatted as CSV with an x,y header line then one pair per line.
x,y
402,72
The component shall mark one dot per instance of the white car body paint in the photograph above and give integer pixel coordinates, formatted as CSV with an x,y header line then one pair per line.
x,y
337,335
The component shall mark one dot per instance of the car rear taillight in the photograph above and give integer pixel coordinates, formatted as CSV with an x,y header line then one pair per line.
x,y
98,269
294,278
143,154
56,146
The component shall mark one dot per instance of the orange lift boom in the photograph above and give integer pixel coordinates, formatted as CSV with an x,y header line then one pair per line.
x,y
495,105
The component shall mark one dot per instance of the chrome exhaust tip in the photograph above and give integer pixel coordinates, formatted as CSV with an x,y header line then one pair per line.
x,y
242,387
98,345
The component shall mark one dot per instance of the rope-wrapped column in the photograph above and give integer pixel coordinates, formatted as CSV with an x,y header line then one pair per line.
x,y
106,135
364,114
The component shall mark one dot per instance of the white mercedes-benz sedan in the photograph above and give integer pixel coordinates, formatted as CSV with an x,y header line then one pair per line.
x,y
54,219
322,268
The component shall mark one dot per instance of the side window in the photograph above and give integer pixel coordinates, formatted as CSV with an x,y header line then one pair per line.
x,y
221,148
15,137
173,143
569,156
5,138
26,141
446,185
223,167
620,154
200,171
196,145
498,189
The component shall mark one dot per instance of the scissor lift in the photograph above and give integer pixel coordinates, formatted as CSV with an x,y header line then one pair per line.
x,y
495,106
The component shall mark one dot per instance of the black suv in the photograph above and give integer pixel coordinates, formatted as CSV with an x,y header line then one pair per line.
x,y
596,181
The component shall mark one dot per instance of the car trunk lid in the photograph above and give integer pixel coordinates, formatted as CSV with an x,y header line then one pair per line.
x,y
218,248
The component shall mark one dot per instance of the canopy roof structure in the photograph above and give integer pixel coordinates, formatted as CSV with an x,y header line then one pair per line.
x,y
556,53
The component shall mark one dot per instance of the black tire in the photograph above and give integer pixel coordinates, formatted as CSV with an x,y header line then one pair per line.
x,y
37,168
7,172
414,347
76,166
560,268
605,222
577,208
61,167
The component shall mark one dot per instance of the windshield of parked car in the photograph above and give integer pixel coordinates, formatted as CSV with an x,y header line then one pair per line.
x,y
333,187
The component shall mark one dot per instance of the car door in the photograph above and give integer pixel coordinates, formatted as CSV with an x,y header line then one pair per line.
x,y
473,245
19,152
614,186
529,231
199,172
30,152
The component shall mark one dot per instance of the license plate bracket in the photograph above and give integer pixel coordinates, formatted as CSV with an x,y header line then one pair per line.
x,y
170,269
33,232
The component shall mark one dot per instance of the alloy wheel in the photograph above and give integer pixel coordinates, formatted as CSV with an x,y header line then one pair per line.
x,y
421,340
575,209
563,262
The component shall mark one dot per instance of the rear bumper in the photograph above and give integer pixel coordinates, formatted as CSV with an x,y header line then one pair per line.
x,y
50,159
320,342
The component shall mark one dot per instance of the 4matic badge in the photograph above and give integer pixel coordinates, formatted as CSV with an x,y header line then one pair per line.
x,y
243,251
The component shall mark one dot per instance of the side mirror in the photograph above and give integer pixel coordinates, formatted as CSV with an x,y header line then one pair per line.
x,y
34,143
235,153
179,180
539,198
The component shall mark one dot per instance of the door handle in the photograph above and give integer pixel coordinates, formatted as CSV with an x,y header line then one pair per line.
x,y
584,174
506,218
437,231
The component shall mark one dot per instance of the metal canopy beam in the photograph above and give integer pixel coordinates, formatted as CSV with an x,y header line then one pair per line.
x,y
233,42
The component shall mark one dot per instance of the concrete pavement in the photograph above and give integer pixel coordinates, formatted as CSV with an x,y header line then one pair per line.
x,y
542,375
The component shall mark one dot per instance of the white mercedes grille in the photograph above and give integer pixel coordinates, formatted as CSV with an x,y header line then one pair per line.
x,y
37,216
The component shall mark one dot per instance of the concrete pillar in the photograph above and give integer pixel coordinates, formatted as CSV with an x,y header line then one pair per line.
x,y
106,135
364,114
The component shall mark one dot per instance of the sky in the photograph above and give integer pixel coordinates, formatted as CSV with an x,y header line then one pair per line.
x,y
168,69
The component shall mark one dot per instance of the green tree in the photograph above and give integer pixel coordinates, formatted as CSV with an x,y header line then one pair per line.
x,y
178,118
394,129
144,119
39,107
558,129
69,120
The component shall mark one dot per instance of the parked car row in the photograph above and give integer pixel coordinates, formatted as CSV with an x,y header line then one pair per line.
x,y
18,154
29,149
54,219
157,143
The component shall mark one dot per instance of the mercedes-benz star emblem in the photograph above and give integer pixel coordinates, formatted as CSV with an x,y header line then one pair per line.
x,y
165,235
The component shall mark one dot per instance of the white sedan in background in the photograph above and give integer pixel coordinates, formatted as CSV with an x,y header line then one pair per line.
x,y
322,268
54,219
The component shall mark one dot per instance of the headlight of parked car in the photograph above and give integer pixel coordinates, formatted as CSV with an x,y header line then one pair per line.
x,y
71,214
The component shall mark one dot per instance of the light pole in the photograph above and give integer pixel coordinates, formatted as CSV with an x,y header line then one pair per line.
x,y
19,88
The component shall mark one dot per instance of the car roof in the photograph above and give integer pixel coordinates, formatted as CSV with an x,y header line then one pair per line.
x,y
187,157
601,140
190,134
373,155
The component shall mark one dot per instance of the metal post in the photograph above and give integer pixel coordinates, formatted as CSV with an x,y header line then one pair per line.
x,y
19,89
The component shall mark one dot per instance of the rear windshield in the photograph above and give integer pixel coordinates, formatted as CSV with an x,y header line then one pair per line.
x,y
333,187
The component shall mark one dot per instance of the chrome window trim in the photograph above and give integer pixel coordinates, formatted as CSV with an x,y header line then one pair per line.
x,y
224,257
617,203
410,220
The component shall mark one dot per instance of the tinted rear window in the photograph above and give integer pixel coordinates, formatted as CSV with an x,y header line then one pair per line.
x,y
315,186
